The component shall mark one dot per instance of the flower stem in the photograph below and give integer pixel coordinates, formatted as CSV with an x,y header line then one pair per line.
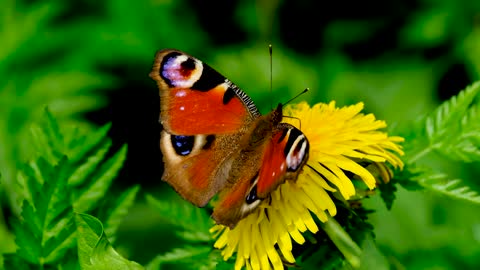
x,y
350,250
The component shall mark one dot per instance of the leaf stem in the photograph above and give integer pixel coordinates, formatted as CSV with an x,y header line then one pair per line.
x,y
420,154
350,250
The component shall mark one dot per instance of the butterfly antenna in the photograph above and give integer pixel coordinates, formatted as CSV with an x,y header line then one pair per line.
x,y
271,72
299,94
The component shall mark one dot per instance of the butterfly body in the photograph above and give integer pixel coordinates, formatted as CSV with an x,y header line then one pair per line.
x,y
215,141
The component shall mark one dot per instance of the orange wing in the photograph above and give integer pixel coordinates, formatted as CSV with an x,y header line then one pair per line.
x,y
196,99
282,158
203,116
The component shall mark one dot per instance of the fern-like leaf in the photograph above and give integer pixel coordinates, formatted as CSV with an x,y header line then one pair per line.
x,y
440,183
46,233
52,142
91,175
193,221
68,82
415,178
86,198
453,128
80,146
89,152
113,213
190,257
466,146
46,230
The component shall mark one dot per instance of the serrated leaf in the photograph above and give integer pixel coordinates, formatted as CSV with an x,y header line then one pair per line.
x,y
88,143
46,230
94,250
47,139
115,213
466,146
66,81
191,257
87,198
406,178
40,143
387,193
450,187
89,165
453,129
193,220
52,143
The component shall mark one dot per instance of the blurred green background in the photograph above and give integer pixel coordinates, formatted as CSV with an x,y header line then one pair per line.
x,y
89,62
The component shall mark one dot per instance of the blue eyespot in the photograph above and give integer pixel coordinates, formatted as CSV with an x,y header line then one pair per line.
x,y
183,145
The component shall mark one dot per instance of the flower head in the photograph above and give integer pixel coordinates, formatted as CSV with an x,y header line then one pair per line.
x,y
341,140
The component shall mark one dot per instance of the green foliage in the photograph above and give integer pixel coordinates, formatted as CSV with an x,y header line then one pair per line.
x,y
114,211
94,250
336,245
57,54
193,222
186,258
387,193
440,183
33,77
46,229
192,225
45,234
452,130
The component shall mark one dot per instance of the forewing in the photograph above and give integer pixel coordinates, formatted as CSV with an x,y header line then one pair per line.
x,y
196,99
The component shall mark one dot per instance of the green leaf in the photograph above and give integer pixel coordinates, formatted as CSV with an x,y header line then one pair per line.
x,y
453,129
46,230
466,146
449,114
188,257
94,250
87,198
47,139
90,164
53,142
33,77
46,233
194,221
82,146
115,212
387,193
442,184
13,261
415,178
406,177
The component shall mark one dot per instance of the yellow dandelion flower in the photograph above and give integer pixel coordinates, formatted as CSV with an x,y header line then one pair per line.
x,y
340,138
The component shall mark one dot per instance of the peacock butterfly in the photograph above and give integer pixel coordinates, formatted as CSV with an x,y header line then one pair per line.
x,y
215,141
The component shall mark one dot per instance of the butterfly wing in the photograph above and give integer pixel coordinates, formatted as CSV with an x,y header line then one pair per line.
x,y
204,115
281,158
196,99
284,157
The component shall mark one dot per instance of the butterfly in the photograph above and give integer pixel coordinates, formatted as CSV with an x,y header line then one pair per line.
x,y
216,142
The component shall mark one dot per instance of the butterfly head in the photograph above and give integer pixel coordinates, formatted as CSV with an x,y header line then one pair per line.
x,y
277,114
